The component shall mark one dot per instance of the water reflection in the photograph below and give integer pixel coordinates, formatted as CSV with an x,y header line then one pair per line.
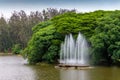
x,y
73,75
13,68
46,72
97,73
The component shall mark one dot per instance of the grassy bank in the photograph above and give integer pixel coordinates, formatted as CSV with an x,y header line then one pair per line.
x,y
6,54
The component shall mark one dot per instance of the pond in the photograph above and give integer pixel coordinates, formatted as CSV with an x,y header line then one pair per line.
x,y
13,68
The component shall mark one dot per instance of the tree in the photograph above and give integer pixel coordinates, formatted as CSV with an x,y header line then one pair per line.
x,y
106,43
5,40
47,36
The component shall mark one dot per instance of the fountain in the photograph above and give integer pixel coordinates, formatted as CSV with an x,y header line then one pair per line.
x,y
74,53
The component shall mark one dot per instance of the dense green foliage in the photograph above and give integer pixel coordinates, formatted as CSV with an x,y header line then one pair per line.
x,y
106,41
47,36
101,28
16,49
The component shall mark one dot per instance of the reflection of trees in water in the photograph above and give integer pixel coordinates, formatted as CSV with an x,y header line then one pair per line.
x,y
97,73
46,72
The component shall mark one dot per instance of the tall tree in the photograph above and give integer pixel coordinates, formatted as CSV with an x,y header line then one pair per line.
x,y
5,41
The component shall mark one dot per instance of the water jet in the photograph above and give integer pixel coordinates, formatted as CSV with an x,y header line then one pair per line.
x,y
74,53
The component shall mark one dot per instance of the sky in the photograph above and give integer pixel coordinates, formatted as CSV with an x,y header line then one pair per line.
x,y
8,6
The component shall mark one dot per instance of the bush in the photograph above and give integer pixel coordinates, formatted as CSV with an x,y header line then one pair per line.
x,y
16,49
52,54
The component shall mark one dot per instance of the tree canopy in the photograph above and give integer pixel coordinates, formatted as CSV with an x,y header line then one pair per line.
x,y
47,36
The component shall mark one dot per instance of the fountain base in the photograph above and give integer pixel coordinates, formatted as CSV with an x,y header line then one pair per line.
x,y
67,66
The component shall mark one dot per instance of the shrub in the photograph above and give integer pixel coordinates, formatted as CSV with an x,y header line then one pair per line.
x,y
16,49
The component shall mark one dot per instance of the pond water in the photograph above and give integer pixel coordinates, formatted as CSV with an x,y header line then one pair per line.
x,y
13,68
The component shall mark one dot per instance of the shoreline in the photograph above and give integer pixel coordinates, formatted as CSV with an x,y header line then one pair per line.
x,y
6,54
